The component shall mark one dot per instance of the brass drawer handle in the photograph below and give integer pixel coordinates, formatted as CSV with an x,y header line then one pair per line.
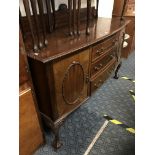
x,y
111,56
96,68
100,65
102,49
100,81
74,62
126,36
125,44
99,52
95,85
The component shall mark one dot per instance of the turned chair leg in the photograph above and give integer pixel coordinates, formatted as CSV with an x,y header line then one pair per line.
x,y
78,17
97,8
116,71
53,8
88,16
70,17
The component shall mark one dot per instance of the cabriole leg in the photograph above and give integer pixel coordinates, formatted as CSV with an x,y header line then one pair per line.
x,y
116,71
56,143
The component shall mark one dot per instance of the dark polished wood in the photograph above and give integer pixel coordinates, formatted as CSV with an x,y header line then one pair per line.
x,y
23,69
42,19
97,3
21,23
102,76
54,17
118,7
70,90
34,10
60,44
99,65
62,19
101,49
48,6
123,9
74,17
88,16
70,17
51,24
55,69
78,17
28,14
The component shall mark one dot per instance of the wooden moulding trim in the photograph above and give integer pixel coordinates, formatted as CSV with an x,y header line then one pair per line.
x,y
67,72
76,49
24,91
49,75
65,115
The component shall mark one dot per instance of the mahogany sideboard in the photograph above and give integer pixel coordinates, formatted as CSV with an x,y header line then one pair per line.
x,y
71,68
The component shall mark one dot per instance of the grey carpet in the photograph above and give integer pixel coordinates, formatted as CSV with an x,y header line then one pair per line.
x,y
113,99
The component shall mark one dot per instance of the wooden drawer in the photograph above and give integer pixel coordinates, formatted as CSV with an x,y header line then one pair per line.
x,y
100,49
102,62
99,80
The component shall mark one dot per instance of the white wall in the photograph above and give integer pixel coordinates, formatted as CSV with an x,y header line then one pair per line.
x,y
83,3
105,8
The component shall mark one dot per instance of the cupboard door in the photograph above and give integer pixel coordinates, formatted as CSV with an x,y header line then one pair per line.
x,y
70,76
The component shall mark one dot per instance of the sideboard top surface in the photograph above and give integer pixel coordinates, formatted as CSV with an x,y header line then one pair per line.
x,y
60,44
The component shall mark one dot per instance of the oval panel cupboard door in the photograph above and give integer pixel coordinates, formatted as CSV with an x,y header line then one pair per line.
x,y
73,83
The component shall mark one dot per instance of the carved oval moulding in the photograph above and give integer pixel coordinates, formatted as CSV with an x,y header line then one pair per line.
x,y
73,83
